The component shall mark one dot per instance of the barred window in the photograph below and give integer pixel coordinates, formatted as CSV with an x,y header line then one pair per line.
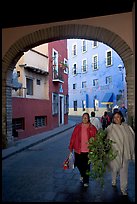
x,y
95,62
18,123
109,58
84,45
84,65
40,121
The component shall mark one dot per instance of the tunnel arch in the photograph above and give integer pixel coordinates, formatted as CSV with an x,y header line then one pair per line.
x,y
66,32
53,33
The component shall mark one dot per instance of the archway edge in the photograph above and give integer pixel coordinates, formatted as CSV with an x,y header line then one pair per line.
x,y
69,31
107,29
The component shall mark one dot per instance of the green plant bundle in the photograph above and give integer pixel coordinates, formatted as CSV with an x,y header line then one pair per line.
x,y
100,155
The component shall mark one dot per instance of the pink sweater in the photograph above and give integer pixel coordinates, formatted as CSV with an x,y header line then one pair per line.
x,y
75,141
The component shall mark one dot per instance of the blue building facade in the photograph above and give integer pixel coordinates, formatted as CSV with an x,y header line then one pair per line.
x,y
96,77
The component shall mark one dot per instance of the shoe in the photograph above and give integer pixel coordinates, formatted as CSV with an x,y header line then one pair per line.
x,y
114,183
85,184
124,192
81,179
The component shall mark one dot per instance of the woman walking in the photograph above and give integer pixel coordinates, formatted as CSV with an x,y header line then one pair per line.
x,y
124,137
79,143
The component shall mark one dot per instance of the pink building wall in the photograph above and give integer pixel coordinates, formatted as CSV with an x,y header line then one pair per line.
x,y
29,108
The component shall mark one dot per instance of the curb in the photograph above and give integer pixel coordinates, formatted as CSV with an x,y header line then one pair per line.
x,y
6,153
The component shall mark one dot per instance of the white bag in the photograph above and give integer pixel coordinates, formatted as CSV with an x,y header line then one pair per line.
x,y
71,161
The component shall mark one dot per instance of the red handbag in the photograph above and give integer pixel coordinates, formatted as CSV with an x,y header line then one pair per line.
x,y
66,164
69,162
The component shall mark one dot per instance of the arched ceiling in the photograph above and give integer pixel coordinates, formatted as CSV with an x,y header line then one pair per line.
x,y
60,32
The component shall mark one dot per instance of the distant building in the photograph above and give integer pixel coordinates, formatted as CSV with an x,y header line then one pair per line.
x,y
40,103
96,81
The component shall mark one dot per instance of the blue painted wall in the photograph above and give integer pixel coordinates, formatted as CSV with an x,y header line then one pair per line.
x,y
90,92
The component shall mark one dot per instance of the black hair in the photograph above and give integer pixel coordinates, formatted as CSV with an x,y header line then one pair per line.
x,y
92,113
87,115
120,113
105,113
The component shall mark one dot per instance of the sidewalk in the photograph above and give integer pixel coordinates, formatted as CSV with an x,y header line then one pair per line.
x,y
23,144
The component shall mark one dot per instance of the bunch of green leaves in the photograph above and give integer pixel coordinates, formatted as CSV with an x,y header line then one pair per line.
x,y
100,155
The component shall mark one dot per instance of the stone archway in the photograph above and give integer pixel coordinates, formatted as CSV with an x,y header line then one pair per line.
x,y
57,33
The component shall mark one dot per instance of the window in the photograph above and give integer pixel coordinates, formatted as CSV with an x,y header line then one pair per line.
x,y
74,50
109,58
84,45
38,81
75,105
54,103
94,44
74,86
84,105
74,71
55,63
84,65
40,121
95,82
108,79
84,84
66,70
29,86
95,62
18,73
18,124
66,104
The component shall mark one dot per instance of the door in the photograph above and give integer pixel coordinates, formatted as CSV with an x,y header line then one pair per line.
x,y
61,109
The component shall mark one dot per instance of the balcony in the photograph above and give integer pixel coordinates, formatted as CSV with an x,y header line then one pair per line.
x,y
58,75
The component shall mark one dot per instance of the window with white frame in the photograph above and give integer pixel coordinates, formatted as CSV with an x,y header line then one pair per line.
x,y
108,58
84,65
66,104
84,84
84,46
29,86
74,50
74,70
95,62
95,82
54,103
108,79
94,44
55,62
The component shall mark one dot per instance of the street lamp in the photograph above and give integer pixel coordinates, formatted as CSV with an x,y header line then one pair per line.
x,y
120,67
